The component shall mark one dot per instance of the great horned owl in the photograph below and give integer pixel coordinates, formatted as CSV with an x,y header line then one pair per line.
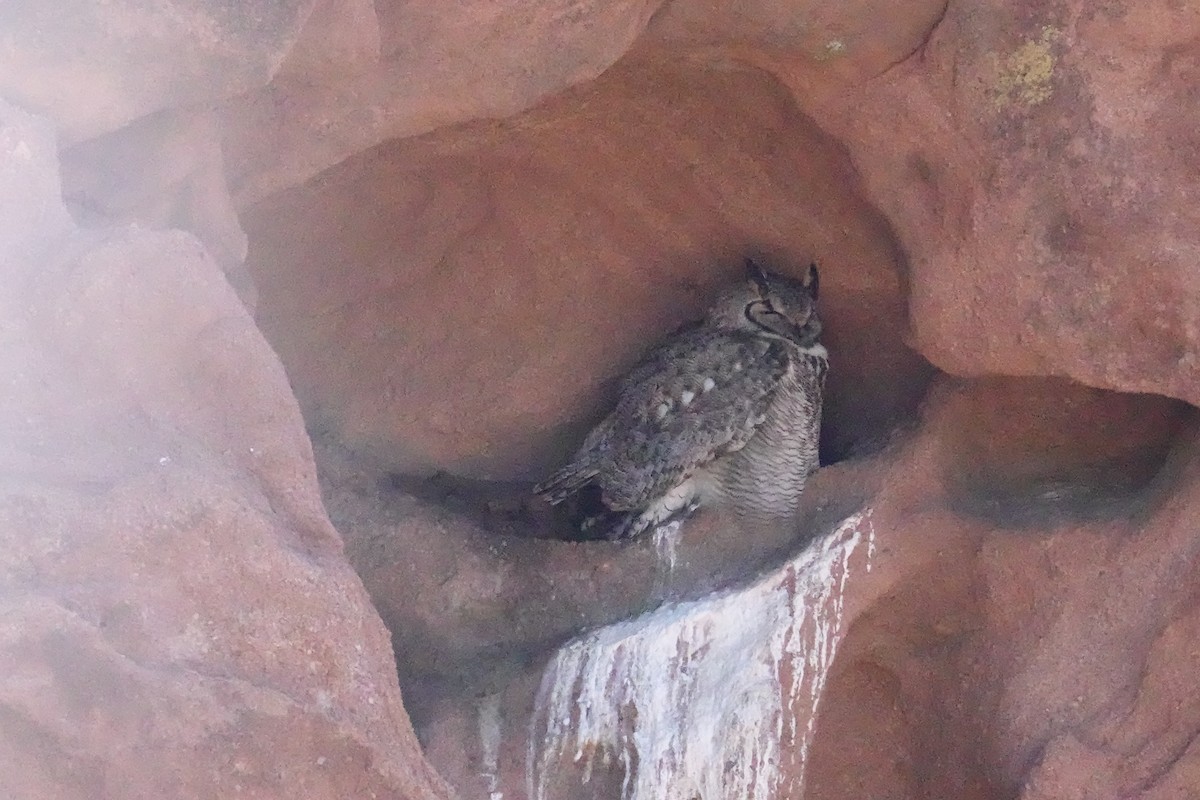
x,y
726,411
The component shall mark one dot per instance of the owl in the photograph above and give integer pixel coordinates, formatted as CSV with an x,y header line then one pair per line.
x,y
727,411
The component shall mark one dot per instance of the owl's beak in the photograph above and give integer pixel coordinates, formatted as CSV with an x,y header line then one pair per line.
x,y
809,332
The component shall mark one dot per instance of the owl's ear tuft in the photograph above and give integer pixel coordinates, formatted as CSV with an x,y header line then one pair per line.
x,y
755,273
812,280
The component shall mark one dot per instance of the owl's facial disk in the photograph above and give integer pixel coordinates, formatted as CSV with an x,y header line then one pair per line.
x,y
782,307
804,331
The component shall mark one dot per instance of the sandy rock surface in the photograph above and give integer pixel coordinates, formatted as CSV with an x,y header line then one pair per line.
x,y
455,230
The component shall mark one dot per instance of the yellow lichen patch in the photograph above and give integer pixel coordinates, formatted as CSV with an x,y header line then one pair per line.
x,y
1025,76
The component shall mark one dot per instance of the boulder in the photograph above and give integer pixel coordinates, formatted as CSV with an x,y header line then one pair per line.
x,y
1035,162
93,68
178,617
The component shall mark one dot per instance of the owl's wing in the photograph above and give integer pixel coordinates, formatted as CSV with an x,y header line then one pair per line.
x,y
692,400
580,470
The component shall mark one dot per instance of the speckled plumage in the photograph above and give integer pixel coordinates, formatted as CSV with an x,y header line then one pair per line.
x,y
727,411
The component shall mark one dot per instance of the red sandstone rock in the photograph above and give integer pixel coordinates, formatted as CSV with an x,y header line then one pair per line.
x,y
1035,643
94,67
1038,165
1015,660
1028,628
831,45
483,60
338,39
163,171
178,618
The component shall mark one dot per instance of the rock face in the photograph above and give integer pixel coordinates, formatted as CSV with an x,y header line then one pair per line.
x,y
994,647
179,619
1011,659
1030,158
485,60
455,230
95,68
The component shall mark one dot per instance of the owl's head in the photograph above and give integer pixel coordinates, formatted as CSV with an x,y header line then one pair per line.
x,y
772,305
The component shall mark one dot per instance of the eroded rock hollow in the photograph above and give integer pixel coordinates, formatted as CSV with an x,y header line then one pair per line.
x,y
303,297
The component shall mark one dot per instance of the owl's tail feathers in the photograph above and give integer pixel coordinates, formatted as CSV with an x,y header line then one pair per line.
x,y
566,482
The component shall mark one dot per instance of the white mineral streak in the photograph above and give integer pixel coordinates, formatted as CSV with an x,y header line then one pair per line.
x,y
870,544
691,699
666,548
489,739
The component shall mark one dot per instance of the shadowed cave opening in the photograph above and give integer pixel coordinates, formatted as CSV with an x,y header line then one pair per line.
x,y
458,307
1026,453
